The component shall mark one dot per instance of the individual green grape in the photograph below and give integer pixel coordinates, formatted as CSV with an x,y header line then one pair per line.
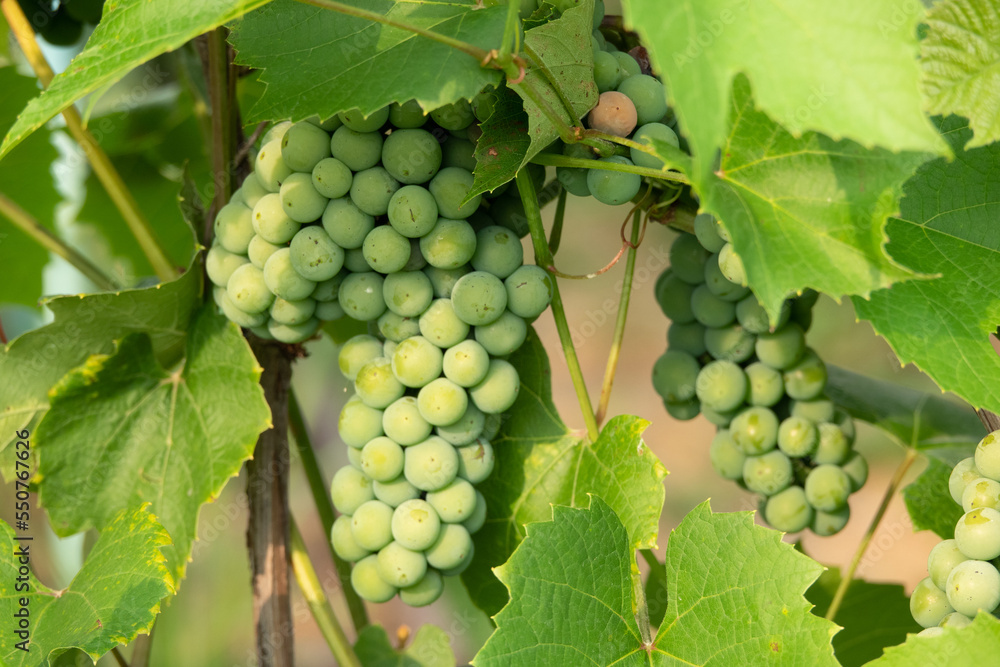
x,y
355,262
982,492
987,456
350,489
395,492
441,401
372,190
478,517
614,114
978,533
293,333
856,468
424,592
396,328
674,376
220,264
303,146
846,424
466,430
360,295
332,178
357,150
440,325
726,456
260,250
407,293
252,190
357,352
234,228
407,116
328,311
456,152
574,180
401,567
797,437
705,228
683,410
942,560
402,422
689,338
449,245
314,255
788,510
371,524
630,66
827,488
328,125
832,447
359,423
644,135
270,221
412,211
529,291
764,385
674,296
806,379
972,586
498,251
466,363
358,122
504,335
613,187
964,472
417,361
830,523
508,211
782,348
955,620
648,95
491,426
731,342
368,583
752,316
443,280
710,310
454,503
755,430
929,604
431,465
275,132
248,290
415,524
241,317
731,265
417,261
450,186
817,410
451,548
411,156
300,200
376,385
386,250
476,461
720,285
498,390
343,542
346,224
269,166
382,458
464,565
479,298
767,474
721,386
282,278
292,312
455,116
688,259
607,73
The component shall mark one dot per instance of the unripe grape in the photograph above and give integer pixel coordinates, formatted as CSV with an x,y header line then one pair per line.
x,y
781,349
689,338
314,255
442,402
455,116
688,259
929,604
248,290
726,456
220,264
327,311
827,488
270,221
817,411
942,560
797,437
755,430
684,410
455,502
413,212
731,265
674,376
332,178
359,423
764,385
415,524
357,352
424,592
962,474
806,379
973,585
498,251
987,456
300,200
614,114
346,224
350,489
234,228
767,474
977,534
705,225
982,492
466,430
358,122
607,73
710,310
478,517
260,250
241,317
282,278
269,166
829,523
292,312
303,146
395,492
731,342
498,390
382,459
451,548
293,333
788,510
719,285
401,567
466,364
856,468
450,187
661,133
407,115
504,335
629,65
360,295
674,297
648,96
386,250
411,156
476,461
372,190
417,361
721,386
479,298
431,465
449,245
376,385
368,583
343,542
833,446
529,291
613,187
955,620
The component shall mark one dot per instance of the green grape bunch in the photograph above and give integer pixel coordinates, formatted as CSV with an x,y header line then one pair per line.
x,y
963,576
368,218
763,387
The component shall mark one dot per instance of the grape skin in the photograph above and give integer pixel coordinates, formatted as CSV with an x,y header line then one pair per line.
x,y
368,583
426,591
417,361
767,474
498,390
789,510
455,502
973,585
721,385
401,567
359,423
357,352
942,560
614,114
479,298
977,533
350,489
726,456
982,492
442,402
431,465
466,364
827,488
962,474
343,542
529,291
440,325
674,376
382,459
451,548
929,604
987,456
415,524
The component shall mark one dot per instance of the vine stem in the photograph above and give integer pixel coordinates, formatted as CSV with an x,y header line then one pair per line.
x,y
324,506
220,97
552,160
27,224
890,492
555,238
543,257
623,303
103,168
319,605
119,658
511,30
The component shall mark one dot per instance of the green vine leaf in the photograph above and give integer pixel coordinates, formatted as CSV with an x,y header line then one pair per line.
x,y
928,498
959,56
806,80
975,644
85,325
131,32
355,63
724,573
539,462
430,647
947,227
114,597
122,429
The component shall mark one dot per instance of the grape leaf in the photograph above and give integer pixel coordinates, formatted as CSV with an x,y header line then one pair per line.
x,y
959,56
355,63
735,596
501,150
873,616
85,325
122,429
846,69
975,644
430,647
929,502
131,32
540,462
562,49
113,598
808,211
947,226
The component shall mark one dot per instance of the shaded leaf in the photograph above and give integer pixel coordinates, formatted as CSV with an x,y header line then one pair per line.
x,y
928,500
975,644
430,647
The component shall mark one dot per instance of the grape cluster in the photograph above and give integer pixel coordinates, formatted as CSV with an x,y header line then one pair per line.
x,y
367,218
778,436
963,570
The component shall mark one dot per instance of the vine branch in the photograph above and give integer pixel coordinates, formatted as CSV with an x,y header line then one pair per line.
x,y
553,160
220,93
